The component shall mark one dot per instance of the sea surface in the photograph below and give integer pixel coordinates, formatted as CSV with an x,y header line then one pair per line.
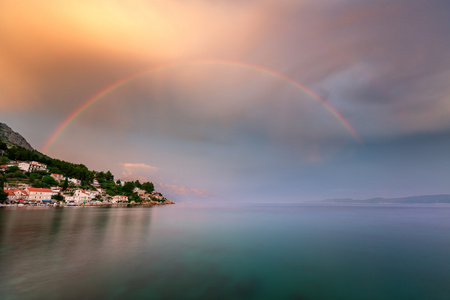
x,y
226,251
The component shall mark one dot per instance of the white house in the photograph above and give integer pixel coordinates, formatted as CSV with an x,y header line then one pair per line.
x,y
58,177
55,190
75,181
78,196
39,195
16,195
82,195
11,195
31,166
119,198
157,195
141,193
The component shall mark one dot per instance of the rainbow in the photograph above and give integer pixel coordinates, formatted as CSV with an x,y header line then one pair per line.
x,y
77,112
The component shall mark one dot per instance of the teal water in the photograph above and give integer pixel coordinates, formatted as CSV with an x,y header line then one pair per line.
x,y
226,251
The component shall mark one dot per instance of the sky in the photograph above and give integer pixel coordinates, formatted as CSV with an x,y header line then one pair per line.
x,y
239,101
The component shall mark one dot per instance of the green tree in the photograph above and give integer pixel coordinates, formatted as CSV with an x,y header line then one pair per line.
x,y
128,188
148,187
109,176
34,176
12,169
134,197
39,184
49,181
3,146
4,160
3,195
58,197
19,174
66,184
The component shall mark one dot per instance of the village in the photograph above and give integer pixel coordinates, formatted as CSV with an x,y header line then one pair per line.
x,y
66,191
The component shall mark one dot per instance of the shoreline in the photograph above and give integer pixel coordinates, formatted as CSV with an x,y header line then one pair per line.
x,y
57,205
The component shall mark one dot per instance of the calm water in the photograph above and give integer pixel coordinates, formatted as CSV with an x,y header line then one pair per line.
x,y
228,251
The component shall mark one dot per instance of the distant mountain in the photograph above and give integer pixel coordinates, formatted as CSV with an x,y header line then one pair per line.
x,y
8,135
414,199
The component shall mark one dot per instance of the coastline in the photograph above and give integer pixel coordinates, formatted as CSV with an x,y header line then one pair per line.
x,y
60,205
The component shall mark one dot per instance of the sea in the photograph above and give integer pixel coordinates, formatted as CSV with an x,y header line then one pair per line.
x,y
226,251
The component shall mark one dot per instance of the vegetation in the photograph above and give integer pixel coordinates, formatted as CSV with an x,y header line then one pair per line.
x,y
3,194
42,179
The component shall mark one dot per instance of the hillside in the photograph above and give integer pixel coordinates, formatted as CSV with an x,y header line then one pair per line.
x,y
9,136
23,167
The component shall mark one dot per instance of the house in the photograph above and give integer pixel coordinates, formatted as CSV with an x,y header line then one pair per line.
x,y
119,198
11,195
141,193
157,195
39,195
79,196
93,194
95,183
24,166
55,190
31,166
3,167
58,177
82,195
16,195
21,195
101,191
75,181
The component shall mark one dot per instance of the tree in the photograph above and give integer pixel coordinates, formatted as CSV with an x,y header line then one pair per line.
x,y
58,197
12,169
66,184
4,160
19,174
3,146
148,187
109,176
39,184
128,187
3,195
49,181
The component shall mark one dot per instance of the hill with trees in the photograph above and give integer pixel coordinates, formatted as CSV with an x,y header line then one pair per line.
x,y
11,175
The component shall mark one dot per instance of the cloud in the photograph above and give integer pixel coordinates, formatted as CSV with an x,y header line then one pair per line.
x,y
134,171
371,60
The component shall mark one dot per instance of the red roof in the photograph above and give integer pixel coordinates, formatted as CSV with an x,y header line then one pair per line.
x,y
39,190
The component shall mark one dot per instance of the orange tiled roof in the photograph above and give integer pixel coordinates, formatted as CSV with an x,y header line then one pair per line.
x,y
40,190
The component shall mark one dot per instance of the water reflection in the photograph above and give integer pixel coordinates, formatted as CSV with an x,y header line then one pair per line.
x,y
196,251
44,244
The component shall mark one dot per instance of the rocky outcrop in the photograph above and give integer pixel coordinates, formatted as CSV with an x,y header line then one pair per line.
x,y
7,134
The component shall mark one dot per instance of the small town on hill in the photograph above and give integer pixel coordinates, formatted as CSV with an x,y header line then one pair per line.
x,y
28,177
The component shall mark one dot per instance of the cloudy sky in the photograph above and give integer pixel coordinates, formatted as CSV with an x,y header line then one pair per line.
x,y
252,100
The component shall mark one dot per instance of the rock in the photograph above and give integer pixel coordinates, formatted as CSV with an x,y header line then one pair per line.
x,y
7,134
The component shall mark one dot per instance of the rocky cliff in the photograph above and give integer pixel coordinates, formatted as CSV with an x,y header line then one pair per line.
x,y
7,134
